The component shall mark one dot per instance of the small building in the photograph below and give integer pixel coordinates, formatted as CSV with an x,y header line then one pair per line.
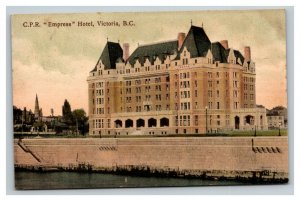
x,y
275,122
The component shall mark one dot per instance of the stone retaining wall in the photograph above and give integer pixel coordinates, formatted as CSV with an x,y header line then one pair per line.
x,y
184,153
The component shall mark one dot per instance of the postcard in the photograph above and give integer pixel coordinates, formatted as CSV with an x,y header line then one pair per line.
x,y
149,99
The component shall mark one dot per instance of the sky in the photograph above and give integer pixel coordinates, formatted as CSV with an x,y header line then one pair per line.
x,y
54,62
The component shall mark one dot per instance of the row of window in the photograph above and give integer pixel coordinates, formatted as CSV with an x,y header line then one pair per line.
x,y
99,92
182,120
185,84
210,83
99,84
185,106
147,89
99,110
146,81
99,123
100,100
146,108
185,61
184,94
251,87
249,79
250,95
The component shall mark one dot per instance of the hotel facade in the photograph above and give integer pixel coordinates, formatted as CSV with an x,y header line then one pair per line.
x,y
184,86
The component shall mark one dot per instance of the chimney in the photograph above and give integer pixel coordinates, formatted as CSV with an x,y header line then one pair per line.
x,y
247,53
181,37
224,43
125,51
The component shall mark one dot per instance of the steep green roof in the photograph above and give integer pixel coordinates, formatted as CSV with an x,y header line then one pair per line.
x,y
237,54
196,42
152,51
110,54
219,52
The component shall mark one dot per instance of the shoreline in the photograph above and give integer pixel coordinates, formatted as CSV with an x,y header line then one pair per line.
x,y
247,159
247,177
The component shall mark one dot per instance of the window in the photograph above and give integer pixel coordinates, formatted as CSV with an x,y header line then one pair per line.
x,y
196,120
108,123
235,94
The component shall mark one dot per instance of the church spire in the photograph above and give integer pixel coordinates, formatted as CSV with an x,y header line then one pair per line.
x,y
36,107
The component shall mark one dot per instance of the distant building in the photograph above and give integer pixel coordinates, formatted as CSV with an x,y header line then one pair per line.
x,y
188,85
275,122
277,116
51,118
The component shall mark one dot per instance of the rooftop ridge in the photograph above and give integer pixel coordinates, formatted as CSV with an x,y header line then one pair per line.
x,y
159,42
113,42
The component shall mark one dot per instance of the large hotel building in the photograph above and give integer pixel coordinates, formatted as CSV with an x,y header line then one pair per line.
x,y
185,86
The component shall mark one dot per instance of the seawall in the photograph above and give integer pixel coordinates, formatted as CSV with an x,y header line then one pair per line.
x,y
230,157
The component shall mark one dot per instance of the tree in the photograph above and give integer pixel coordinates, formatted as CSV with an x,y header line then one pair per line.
x,y
17,115
80,120
67,112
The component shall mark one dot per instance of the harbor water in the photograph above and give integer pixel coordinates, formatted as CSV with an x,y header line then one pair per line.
x,y
26,180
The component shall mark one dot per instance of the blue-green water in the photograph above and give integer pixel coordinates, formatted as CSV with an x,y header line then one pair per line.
x,y
75,180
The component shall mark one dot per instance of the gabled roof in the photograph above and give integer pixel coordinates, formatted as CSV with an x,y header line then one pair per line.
x,y
152,51
219,52
237,54
109,56
196,42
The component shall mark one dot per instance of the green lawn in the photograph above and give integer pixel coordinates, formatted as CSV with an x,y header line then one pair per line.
x,y
258,133
225,134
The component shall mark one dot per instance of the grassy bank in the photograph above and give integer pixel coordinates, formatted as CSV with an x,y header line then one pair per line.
x,y
225,134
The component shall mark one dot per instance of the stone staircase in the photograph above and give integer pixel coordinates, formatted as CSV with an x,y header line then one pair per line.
x,y
261,150
27,150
